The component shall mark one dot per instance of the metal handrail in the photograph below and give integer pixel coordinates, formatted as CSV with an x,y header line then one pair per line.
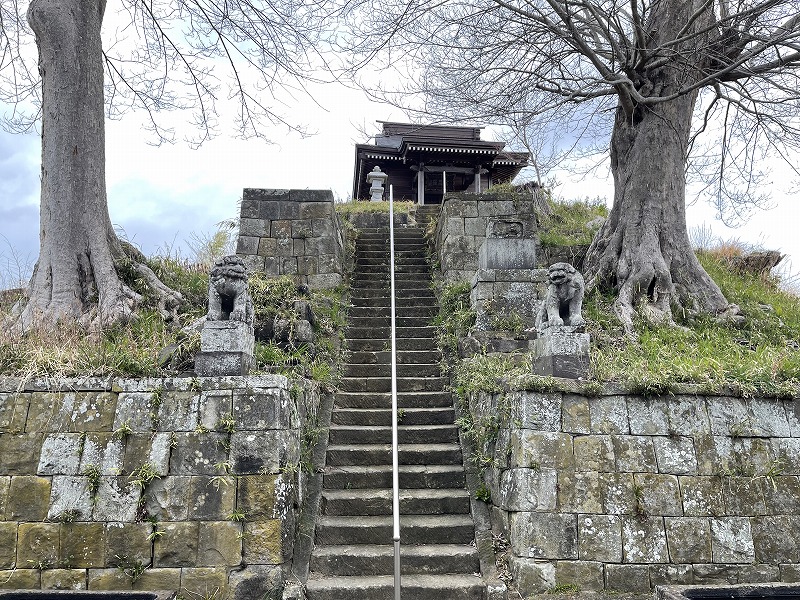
x,y
395,459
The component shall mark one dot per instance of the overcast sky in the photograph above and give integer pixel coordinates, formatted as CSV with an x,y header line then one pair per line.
x,y
159,196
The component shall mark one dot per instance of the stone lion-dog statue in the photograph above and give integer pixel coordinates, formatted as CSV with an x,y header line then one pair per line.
x,y
562,303
228,296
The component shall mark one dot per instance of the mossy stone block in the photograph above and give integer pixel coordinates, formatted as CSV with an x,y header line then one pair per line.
x,y
609,414
177,546
220,543
167,499
93,411
256,581
585,575
159,579
104,451
701,496
688,539
628,578
82,545
70,499
575,414
544,535
198,453
594,453
13,412
211,498
600,538
20,579
634,453
108,579
117,500
61,454
256,498
8,545
64,579
660,494
580,492
262,543
263,452
153,448
644,540
28,498
134,410
535,449
37,544
20,453
42,410
177,411
127,541
204,582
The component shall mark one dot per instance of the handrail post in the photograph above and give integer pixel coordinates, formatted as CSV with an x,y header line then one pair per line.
x,y
395,459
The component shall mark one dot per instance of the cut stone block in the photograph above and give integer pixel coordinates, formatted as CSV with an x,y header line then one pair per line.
x,y
561,352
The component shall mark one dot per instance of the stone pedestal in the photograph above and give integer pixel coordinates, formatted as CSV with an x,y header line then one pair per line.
x,y
226,348
562,352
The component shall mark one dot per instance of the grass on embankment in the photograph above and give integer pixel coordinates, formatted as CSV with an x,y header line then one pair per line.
x,y
759,356
133,349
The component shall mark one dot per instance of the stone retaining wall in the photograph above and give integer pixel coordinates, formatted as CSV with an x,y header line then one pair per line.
x,y
173,484
462,225
292,232
623,492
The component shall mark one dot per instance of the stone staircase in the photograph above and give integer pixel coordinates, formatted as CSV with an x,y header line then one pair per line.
x,y
353,554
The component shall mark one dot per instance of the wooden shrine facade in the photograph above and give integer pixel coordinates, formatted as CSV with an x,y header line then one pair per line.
x,y
423,162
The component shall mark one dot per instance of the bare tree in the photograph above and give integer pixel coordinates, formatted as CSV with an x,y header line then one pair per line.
x,y
710,86
185,55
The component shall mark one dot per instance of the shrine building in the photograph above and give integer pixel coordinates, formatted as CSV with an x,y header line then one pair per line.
x,y
424,162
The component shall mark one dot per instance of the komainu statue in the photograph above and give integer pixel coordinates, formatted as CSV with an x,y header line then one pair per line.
x,y
564,298
228,297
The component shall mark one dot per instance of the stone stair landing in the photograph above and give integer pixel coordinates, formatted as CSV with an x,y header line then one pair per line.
x,y
353,558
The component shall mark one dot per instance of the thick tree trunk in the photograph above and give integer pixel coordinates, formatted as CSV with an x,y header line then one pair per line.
x,y
643,249
76,275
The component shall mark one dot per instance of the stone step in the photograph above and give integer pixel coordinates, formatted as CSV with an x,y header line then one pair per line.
x,y
380,476
369,559
383,370
374,502
406,434
381,587
385,321
416,344
398,268
384,384
381,454
382,259
427,312
383,416
400,301
414,529
383,400
358,278
384,357
356,332
421,291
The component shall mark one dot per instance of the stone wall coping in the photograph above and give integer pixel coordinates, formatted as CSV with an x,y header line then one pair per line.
x,y
10,385
592,389
293,195
758,590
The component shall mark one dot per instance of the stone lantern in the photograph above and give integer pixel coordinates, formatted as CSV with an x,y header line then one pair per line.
x,y
376,178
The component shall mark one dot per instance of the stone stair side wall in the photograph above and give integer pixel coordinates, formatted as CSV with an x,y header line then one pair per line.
x,y
293,232
623,492
216,512
462,225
